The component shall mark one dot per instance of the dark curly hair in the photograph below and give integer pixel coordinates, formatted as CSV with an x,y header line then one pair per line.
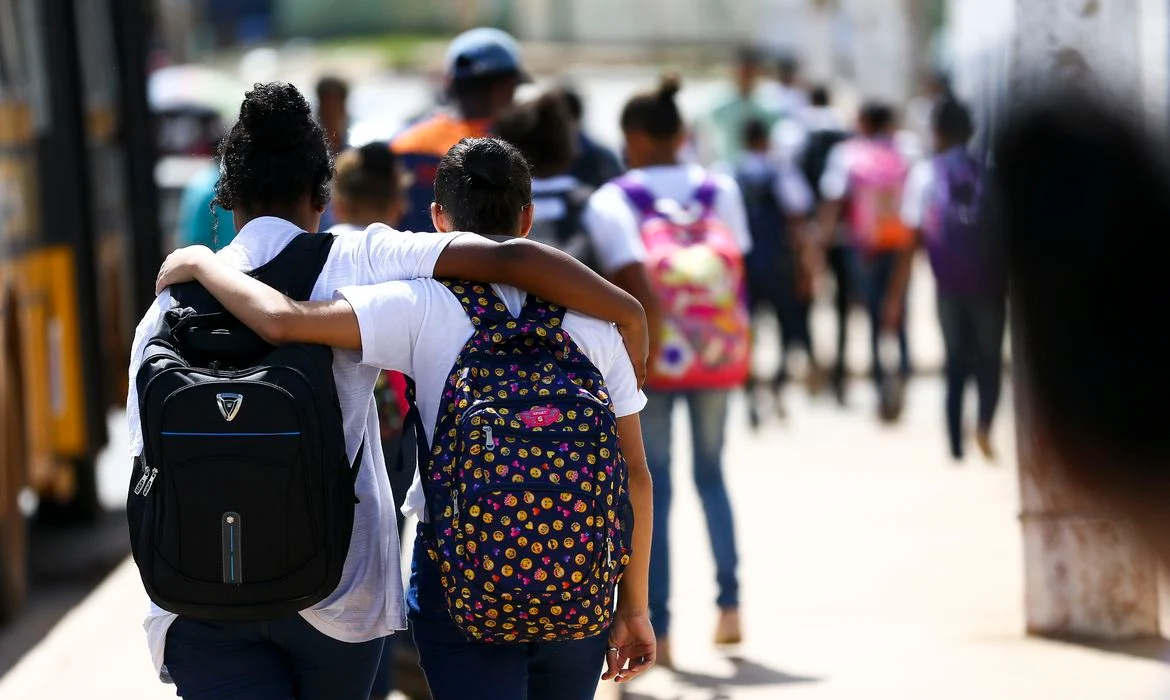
x,y
275,153
484,185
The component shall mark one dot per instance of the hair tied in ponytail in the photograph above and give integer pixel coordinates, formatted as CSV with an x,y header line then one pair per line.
x,y
487,165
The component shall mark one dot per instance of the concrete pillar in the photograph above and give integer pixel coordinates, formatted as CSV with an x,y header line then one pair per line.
x,y
1085,574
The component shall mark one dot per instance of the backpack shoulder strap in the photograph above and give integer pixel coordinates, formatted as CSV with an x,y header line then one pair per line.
x,y
541,311
576,199
294,271
707,192
641,197
479,301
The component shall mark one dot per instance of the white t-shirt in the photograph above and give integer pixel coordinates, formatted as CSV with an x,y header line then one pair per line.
x,y
368,603
614,223
918,193
419,328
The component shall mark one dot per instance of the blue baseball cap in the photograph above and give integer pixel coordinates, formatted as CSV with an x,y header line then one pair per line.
x,y
484,52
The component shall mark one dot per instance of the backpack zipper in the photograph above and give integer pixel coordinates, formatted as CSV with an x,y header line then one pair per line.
x,y
142,479
609,552
150,482
488,442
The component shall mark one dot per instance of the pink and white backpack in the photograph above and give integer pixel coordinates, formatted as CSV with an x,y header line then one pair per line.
x,y
877,179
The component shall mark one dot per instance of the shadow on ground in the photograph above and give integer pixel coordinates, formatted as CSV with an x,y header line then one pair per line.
x,y
701,686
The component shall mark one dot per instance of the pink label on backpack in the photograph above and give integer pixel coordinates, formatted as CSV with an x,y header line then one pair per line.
x,y
540,417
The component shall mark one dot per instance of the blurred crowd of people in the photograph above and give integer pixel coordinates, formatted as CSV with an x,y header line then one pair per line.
x,y
798,202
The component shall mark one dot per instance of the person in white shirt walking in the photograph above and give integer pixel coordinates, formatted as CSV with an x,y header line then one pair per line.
x,y
702,342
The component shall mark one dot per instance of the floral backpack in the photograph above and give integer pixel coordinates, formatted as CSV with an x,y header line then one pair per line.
x,y
697,271
526,486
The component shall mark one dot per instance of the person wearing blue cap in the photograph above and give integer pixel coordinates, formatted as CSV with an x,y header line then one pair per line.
x,y
483,70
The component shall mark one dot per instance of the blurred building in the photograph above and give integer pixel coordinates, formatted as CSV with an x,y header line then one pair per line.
x,y
990,43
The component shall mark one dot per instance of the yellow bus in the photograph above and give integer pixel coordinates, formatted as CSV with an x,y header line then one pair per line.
x,y
79,244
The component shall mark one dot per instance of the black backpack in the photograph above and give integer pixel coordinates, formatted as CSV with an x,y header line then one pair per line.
x,y
568,233
815,158
241,506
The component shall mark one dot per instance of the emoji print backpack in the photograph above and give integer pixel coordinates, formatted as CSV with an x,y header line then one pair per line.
x,y
526,486
697,271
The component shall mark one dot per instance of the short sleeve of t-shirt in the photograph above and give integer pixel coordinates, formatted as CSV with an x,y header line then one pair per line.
x,y
834,182
613,229
916,199
390,316
382,254
730,209
602,344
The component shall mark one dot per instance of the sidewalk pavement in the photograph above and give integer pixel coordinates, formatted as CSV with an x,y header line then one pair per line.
x,y
873,567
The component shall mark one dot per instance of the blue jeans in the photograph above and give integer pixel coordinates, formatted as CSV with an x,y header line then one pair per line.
x,y
458,668
877,273
973,329
286,659
708,416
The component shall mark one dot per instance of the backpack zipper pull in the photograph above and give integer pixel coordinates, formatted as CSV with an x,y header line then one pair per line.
x,y
150,482
488,441
609,552
142,479
454,506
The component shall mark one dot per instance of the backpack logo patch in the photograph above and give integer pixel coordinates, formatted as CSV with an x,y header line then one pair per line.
x,y
540,416
229,405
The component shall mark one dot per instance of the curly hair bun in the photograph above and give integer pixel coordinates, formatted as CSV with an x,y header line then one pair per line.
x,y
277,115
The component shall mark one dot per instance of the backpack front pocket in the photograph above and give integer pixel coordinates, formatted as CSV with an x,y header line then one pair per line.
x,y
268,537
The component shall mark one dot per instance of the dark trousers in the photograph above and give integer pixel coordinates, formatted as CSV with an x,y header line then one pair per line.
x,y
286,659
458,668
842,269
777,291
973,330
877,272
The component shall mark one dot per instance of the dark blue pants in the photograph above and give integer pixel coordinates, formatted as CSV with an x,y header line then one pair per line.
x,y
877,274
776,290
286,659
458,668
973,329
